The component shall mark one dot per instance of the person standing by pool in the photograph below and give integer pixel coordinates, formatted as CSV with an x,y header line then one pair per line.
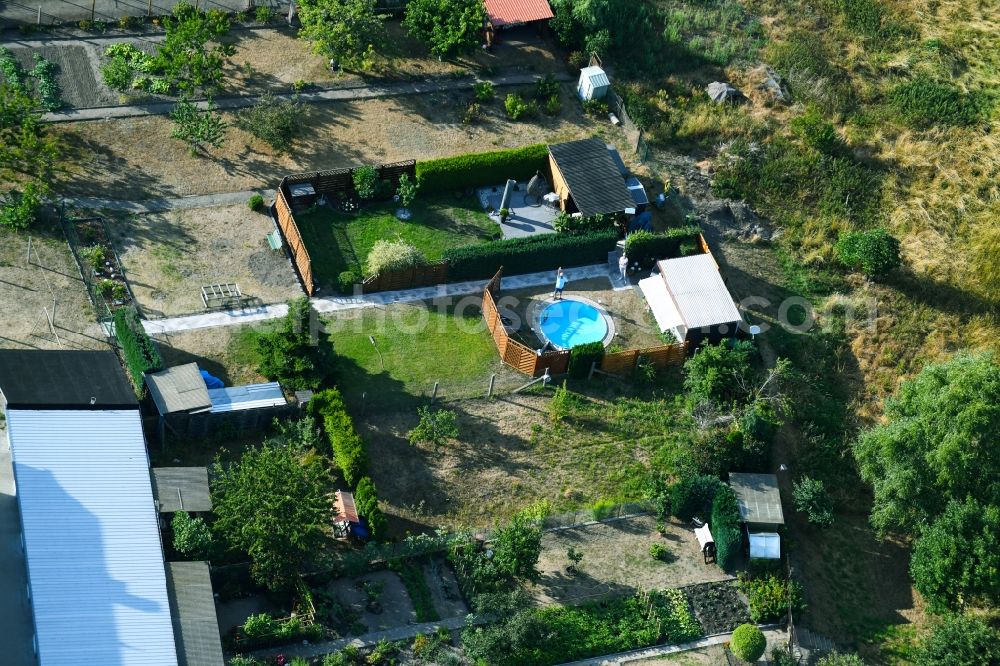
x,y
623,267
560,283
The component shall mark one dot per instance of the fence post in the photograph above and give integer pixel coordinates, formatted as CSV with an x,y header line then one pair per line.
x,y
593,368
434,392
489,392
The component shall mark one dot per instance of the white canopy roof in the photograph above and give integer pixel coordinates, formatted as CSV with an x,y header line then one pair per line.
x,y
664,311
765,545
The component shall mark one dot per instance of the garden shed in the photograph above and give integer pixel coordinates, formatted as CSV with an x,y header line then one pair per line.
x,y
587,180
510,13
760,509
192,608
181,489
593,83
689,299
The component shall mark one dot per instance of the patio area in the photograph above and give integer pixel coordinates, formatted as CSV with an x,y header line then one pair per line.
x,y
529,215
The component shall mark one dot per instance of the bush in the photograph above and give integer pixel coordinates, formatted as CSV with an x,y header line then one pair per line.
x,y
748,643
693,495
712,374
546,87
725,526
192,537
450,174
366,501
137,349
769,594
528,255
436,426
365,181
595,108
960,640
658,551
647,248
581,357
875,253
264,14
255,203
517,108
816,132
406,192
812,499
483,90
566,223
348,448
346,281
392,256
272,120
924,102
472,114
553,106
291,353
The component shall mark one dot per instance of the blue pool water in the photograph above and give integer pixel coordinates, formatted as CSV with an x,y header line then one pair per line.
x,y
569,323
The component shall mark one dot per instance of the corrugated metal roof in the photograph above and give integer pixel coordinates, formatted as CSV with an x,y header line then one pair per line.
x,y
344,506
698,289
95,564
659,301
181,489
512,12
192,606
178,389
759,498
591,176
250,396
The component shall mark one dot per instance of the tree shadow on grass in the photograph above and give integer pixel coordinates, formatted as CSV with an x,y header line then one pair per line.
x,y
581,587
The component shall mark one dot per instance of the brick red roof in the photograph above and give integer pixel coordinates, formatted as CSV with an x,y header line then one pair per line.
x,y
508,12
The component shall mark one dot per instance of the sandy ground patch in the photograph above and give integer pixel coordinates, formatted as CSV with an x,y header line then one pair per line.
x,y
396,607
210,349
135,158
616,560
169,256
25,289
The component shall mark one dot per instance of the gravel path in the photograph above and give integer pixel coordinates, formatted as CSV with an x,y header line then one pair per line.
x,y
164,204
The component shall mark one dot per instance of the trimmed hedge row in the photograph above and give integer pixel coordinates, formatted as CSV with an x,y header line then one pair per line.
x,y
726,527
348,448
581,357
647,248
529,254
449,174
138,351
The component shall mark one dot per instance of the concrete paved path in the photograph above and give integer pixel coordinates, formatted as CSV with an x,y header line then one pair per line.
x,y
333,304
346,94
15,612
158,205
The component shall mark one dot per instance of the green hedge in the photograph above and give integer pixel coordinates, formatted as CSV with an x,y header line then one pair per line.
x,y
366,501
582,356
692,495
347,446
647,248
138,351
449,174
529,254
725,526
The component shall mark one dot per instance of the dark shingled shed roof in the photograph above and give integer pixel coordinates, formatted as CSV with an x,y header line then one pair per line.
x,y
593,178
42,379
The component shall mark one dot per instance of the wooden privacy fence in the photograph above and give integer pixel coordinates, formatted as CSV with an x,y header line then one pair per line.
x,y
624,362
293,240
418,276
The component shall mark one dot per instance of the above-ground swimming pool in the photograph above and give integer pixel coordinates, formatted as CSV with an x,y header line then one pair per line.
x,y
569,322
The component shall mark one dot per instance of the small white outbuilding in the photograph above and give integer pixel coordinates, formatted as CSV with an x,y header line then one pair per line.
x,y
593,84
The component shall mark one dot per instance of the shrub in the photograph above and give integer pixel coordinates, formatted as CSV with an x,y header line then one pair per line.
x,y
406,192
348,448
392,256
812,499
546,87
839,659
553,106
658,551
366,181
117,74
816,132
447,26
472,114
924,102
960,640
449,174
192,537
647,248
712,374
528,255
693,495
366,499
296,352
769,595
137,349
346,281
748,643
264,14
565,222
725,526
255,203
875,253
596,108
517,108
577,60
436,426
483,91
581,357
198,128
272,120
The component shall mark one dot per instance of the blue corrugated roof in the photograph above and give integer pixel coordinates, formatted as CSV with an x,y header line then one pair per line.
x,y
250,396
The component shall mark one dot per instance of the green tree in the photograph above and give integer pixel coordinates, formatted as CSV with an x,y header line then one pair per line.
x,y
348,31
272,504
838,659
448,27
517,546
957,557
435,427
192,537
27,152
19,207
939,443
198,128
274,121
192,55
960,640
407,190
875,253
716,372
748,642
297,352
365,180
812,499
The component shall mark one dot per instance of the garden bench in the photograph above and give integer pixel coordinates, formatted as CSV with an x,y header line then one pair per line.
x,y
274,240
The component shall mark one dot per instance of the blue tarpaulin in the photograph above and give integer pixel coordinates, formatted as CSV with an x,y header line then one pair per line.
x,y
642,221
211,381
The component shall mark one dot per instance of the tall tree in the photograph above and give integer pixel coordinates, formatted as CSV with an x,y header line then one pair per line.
x,y
296,353
449,27
192,53
939,442
517,546
273,505
196,127
348,31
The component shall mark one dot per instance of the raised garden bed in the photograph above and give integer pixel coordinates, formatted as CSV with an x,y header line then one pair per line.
x,y
719,607
99,265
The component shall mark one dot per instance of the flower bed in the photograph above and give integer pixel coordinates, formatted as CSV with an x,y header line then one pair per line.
x,y
719,607
99,265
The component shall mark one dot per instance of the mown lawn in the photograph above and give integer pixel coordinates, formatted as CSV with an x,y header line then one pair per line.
x,y
339,242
